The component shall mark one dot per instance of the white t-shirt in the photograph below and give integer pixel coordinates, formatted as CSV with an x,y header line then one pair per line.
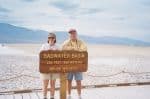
x,y
47,46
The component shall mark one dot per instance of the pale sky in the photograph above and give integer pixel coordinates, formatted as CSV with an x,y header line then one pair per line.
x,y
123,18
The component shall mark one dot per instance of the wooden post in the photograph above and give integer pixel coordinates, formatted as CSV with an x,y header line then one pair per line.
x,y
63,88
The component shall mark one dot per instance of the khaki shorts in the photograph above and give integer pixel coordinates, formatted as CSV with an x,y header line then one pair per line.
x,y
49,76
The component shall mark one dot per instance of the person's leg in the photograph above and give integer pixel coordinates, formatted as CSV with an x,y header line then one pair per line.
x,y
52,90
69,77
45,85
78,78
79,87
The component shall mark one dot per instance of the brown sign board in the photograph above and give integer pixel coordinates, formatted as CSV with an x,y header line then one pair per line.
x,y
63,61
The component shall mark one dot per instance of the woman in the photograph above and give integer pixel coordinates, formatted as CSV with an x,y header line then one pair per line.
x,y
49,77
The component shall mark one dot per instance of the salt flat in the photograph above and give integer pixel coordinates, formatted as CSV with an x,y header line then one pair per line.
x,y
93,49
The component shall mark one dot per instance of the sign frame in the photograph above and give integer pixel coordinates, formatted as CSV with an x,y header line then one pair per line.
x,y
63,61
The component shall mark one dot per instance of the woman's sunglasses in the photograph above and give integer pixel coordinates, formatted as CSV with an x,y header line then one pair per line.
x,y
51,38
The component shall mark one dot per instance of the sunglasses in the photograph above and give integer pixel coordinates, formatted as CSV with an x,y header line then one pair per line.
x,y
72,32
51,38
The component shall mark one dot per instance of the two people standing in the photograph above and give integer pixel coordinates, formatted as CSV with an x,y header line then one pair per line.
x,y
73,43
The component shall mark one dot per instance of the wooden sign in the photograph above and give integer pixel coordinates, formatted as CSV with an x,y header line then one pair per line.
x,y
63,61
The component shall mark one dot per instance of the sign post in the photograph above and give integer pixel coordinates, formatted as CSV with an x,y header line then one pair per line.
x,y
63,83
63,62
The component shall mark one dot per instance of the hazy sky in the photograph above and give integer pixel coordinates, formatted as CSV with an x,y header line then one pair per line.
x,y
124,18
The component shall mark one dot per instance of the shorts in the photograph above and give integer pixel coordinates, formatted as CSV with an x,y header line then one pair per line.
x,y
49,76
77,76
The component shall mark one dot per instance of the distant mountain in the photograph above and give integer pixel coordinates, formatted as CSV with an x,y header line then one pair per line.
x,y
14,34
118,41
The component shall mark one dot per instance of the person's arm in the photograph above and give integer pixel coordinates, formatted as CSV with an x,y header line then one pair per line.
x,y
42,48
83,47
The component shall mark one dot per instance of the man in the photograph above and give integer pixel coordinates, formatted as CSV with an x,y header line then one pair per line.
x,y
73,43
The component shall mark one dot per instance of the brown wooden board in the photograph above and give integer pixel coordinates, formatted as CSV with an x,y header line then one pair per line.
x,y
63,61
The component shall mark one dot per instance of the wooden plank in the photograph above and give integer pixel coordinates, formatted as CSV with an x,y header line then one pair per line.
x,y
5,97
30,96
2,97
13,96
63,83
38,97
26,96
9,96
18,96
34,96
40,94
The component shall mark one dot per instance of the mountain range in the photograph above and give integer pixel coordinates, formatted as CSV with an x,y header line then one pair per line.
x,y
15,34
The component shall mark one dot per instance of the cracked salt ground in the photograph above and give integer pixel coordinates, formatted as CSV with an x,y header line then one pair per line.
x,y
25,68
